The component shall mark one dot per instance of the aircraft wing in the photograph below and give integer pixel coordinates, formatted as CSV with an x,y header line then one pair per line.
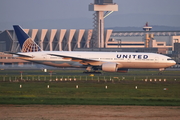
x,y
76,58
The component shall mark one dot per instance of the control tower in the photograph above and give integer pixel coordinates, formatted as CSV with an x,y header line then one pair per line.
x,y
146,27
149,38
102,9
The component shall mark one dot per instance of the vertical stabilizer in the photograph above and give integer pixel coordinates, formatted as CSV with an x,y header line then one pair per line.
x,y
26,43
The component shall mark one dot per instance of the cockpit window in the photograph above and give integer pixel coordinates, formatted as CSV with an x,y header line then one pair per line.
x,y
169,59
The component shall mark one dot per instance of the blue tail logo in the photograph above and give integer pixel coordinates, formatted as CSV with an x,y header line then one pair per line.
x,y
26,43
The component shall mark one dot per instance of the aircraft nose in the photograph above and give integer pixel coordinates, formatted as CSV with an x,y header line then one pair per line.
x,y
173,62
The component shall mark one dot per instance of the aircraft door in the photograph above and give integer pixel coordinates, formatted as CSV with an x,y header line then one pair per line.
x,y
156,60
129,60
44,56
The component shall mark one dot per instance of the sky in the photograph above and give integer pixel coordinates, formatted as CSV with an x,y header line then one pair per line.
x,y
74,14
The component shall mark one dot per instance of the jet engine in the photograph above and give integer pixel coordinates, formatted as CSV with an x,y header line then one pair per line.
x,y
109,67
113,67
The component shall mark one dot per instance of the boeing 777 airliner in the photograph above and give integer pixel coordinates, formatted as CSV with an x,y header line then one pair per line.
x,y
105,61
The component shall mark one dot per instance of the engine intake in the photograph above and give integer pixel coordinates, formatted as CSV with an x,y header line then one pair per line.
x,y
113,67
109,67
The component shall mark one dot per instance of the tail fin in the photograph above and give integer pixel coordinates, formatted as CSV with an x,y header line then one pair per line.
x,y
26,43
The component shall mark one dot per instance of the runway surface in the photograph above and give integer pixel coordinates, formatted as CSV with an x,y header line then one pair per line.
x,y
87,112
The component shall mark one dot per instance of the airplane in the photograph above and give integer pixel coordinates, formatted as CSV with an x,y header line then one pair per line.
x,y
91,61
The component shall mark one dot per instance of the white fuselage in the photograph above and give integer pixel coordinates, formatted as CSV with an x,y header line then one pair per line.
x,y
123,59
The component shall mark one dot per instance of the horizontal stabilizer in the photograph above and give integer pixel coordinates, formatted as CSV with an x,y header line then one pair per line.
x,y
20,55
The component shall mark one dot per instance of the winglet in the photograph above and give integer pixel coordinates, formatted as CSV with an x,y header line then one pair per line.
x,y
26,43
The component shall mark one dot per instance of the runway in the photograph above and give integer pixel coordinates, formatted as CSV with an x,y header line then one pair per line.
x,y
87,112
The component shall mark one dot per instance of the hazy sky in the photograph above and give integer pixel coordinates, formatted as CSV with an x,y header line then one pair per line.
x,y
61,14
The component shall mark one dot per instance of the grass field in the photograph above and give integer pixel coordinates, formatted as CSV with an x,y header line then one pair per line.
x,y
72,87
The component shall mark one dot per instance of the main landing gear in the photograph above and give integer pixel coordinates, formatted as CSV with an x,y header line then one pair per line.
x,y
92,70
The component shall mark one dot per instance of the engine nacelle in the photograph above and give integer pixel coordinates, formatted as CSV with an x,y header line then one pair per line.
x,y
109,67
113,67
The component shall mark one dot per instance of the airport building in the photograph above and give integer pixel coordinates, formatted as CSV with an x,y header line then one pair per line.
x,y
81,40
72,39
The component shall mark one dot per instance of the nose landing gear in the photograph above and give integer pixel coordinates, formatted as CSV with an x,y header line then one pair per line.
x,y
160,71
